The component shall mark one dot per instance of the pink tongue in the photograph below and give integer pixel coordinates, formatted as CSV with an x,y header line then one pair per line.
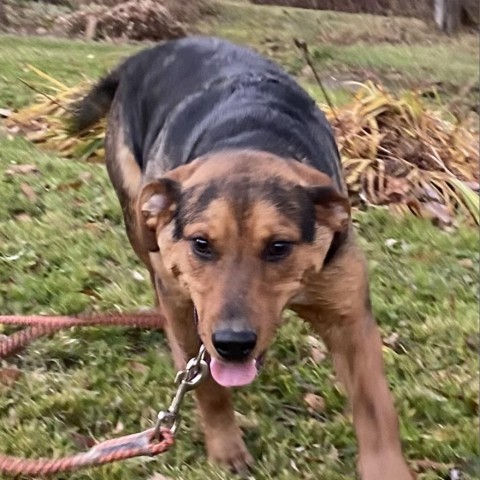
x,y
233,374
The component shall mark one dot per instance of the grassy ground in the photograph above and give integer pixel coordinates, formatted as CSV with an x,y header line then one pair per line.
x,y
402,52
63,250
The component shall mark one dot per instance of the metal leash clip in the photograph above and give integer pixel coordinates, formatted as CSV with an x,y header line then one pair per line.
x,y
189,379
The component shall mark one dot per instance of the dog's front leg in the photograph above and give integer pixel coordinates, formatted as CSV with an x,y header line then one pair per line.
x,y
223,436
342,315
356,349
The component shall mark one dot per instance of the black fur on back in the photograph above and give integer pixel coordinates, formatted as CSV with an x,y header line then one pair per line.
x,y
193,96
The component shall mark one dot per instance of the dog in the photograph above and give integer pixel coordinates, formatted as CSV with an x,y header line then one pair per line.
x,y
231,187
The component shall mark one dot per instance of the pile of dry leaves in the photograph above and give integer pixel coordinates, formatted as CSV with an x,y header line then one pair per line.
x,y
396,150
134,20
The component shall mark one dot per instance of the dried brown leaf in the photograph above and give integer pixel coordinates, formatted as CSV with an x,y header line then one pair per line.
x,y
431,193
394,342
119,428
36,135
28,191
315,403
85,176
93,226
23,217
399,209
426,464
21,169
317,349
467,263
82,442
90,292
397,189
438,213
473,342
249,422
139,367
317,354
75,185
9,375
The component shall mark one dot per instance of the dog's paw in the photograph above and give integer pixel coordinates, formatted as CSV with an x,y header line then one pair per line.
x,y
230,452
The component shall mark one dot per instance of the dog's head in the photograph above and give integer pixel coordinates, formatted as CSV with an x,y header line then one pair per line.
x,y
237,233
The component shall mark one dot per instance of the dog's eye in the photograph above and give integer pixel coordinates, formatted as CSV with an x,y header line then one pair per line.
x,y
276,251
202,248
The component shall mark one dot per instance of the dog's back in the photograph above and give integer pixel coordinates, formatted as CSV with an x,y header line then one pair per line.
x,y
199,95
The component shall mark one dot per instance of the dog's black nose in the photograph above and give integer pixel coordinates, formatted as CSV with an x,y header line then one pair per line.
x,y
234,346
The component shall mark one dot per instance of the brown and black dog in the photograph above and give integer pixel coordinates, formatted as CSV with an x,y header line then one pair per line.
x,y
231,188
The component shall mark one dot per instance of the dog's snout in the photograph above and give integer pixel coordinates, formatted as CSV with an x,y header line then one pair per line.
x,y
234,345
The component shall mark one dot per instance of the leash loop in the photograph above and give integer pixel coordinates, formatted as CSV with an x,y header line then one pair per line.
x,y
195,373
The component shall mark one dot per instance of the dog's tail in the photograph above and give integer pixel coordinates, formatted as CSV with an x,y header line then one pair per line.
x,y
96,104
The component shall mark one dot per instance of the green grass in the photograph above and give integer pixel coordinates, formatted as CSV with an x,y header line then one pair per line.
x,y
63,59
66,252
402,52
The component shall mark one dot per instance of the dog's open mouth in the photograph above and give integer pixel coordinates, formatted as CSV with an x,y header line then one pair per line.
x,y
235,374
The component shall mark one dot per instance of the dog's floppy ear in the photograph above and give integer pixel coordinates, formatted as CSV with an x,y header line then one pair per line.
x,y
158,201
155,208
331,207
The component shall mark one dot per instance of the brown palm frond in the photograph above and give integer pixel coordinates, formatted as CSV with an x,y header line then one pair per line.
x,y
396,151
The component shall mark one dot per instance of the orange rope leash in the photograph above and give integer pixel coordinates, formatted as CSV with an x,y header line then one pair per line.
x,y
149,442
39,326
129,446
